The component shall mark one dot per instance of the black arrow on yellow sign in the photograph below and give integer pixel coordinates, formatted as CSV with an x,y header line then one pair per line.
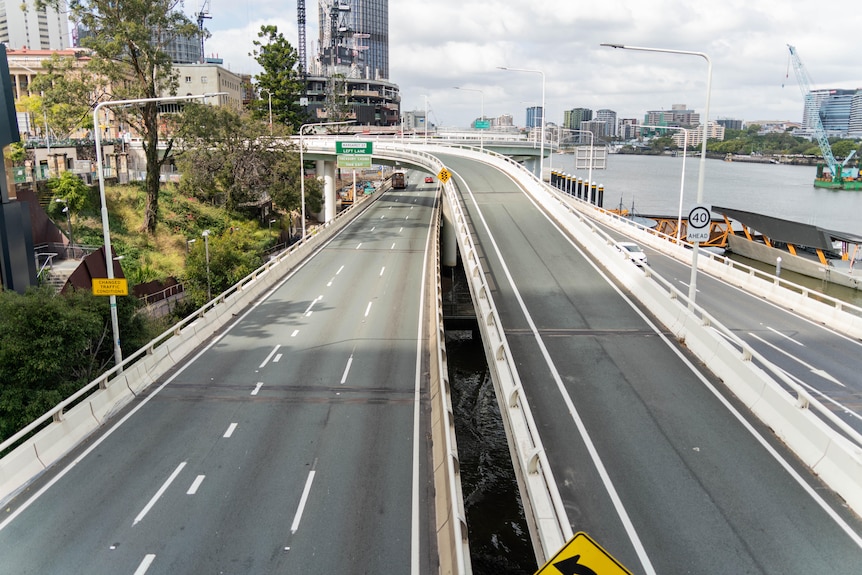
x,y
571,566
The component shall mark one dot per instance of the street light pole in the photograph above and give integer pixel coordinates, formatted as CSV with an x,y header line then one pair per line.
x,y
302,163
542,130
206,235
692,286
68,212
682,178
481,134
106,231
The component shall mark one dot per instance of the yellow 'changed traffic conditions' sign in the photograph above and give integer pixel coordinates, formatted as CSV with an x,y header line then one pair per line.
x,y
105,286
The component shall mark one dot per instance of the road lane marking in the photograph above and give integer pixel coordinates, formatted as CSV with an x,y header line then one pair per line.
x,y
159,493
307,311
230,429
382,270
269,357
393,246
368,309
145,564
277,358
329,283
358,245
195,485
295,333
302,500
401,229
817,371
775,331
257,388
347,369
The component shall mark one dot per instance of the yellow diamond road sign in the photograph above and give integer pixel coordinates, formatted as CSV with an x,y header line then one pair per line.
x,y
443,175
582,556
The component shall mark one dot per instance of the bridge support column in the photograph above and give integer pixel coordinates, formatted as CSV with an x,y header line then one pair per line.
x,y
448,238
326,170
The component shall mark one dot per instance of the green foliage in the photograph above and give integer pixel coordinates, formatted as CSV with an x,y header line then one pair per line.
x,y
69,188
279,80
68,93
228,158
16,153
129,41
52,345
233,253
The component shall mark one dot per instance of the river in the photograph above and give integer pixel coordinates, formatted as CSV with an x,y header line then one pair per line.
x,y
652,185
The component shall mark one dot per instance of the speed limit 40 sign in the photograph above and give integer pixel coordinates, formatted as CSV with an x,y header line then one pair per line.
x,y
697,229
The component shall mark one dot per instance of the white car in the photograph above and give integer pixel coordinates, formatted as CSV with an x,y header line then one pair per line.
x,y
633,252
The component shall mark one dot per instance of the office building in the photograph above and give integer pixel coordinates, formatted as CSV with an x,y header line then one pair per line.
x,y
678,115
572,118
534,116
609,117
32,29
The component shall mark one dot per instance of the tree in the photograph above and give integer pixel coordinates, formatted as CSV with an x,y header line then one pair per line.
x,y
280,78
52,345
129,41
68,93
337,106
229,157
233,254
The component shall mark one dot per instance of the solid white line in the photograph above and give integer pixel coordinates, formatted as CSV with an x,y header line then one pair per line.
x,y
159,493
195,485
257,388
145,564
269,357
230,429
775,331
302,500
368,309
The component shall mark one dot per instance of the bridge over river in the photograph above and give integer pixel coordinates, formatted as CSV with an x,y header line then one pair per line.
x,y
301,423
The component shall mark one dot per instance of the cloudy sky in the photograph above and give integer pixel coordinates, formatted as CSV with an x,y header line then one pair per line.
x,y
437,45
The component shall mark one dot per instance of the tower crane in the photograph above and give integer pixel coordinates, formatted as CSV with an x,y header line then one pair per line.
x,y
203,14
300,24
812,110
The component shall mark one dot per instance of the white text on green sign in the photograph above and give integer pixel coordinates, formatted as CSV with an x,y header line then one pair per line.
x,y
355,148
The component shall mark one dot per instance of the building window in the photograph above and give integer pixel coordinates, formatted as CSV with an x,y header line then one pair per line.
x,y
203,79
188,79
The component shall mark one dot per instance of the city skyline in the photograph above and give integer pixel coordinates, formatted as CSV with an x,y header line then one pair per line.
x,y
462,44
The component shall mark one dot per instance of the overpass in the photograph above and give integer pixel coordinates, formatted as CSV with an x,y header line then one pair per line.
x,y
613,427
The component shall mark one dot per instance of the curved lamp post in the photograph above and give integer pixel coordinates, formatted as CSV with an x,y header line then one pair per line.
x,y
106,231
692,286
481,134
542,130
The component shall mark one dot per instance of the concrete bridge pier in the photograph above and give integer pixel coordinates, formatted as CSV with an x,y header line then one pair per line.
x,y
326,170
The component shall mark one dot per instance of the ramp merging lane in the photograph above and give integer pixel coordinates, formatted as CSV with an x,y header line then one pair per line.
x,y
651,459
295,442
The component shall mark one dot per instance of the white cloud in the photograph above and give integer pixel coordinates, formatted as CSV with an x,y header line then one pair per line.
x,y
436,46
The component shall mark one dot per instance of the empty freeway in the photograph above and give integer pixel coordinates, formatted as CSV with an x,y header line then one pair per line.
x,y
298,439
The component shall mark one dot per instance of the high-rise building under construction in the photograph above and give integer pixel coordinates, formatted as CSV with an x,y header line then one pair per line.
x,y
354,38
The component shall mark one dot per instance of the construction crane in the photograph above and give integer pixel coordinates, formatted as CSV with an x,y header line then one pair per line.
x,y
202,15
300,24
812,111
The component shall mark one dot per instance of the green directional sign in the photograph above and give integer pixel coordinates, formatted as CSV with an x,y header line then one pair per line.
x,y
353,148
482,124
